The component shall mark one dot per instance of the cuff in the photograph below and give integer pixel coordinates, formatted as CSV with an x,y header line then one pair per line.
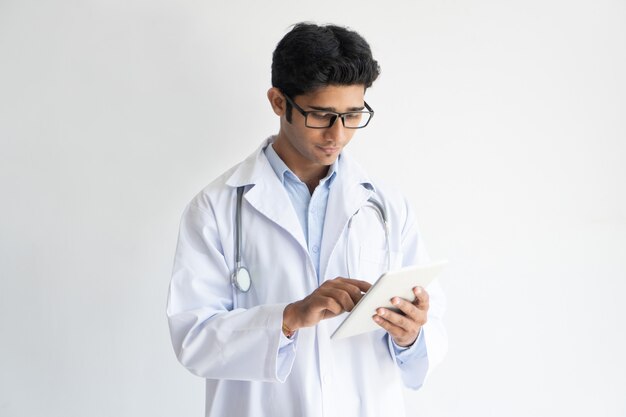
x,y
285,341
286,354
405,354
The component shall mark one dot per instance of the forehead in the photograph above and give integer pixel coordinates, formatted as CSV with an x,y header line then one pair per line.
x,y
337,96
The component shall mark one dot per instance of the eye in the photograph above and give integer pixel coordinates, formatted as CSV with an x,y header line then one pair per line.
x,y
353,116
320,115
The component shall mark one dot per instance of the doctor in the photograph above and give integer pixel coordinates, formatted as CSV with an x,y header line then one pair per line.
x,y
273,253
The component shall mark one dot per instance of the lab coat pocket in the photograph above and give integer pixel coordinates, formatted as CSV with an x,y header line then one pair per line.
x,y
373,262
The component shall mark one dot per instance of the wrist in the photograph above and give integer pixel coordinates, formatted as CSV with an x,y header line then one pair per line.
x,y
405,344
288,332
290,325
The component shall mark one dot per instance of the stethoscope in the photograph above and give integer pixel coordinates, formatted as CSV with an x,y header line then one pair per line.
x,y
377,206
240,279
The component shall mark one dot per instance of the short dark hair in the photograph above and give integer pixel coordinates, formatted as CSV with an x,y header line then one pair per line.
x,y
312,56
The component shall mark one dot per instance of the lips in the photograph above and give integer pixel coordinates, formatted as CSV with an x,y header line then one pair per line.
x,y
329,149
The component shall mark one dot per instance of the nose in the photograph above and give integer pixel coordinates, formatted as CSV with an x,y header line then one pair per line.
x,y
337,132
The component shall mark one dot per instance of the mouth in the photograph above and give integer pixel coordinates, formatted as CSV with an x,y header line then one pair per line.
x,y
330,149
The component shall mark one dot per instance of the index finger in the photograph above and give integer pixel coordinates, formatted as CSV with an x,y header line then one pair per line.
x,y
353,287
364,286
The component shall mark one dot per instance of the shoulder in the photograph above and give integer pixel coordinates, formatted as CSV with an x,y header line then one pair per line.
x,y
215,192
396,205
392,198
390,195
222,189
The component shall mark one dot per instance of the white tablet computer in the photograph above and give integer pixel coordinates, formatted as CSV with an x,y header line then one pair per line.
x,y
398,283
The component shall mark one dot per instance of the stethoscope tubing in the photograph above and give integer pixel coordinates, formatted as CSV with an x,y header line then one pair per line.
x,y
240,278
377,206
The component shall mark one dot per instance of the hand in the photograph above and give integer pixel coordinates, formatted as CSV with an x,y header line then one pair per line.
x,y
404,328
332,298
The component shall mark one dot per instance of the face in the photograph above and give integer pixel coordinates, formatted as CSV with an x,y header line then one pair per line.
x,y
303,148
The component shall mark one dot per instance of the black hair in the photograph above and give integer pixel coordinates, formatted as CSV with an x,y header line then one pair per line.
x,y
312,56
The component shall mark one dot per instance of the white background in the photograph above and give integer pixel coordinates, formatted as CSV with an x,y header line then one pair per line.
x,y
503,121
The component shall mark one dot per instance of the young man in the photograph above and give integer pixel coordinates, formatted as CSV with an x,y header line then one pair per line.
x,y
274,252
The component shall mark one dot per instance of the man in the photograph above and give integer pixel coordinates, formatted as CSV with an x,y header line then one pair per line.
x,y
305,222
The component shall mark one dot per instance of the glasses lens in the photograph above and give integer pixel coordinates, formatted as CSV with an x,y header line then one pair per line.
x,y
356,120
352,120
320,119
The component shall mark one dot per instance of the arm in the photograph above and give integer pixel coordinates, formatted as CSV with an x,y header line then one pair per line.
x,y
211,338
417,339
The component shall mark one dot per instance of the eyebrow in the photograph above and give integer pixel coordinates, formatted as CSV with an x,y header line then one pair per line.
x,y
332,109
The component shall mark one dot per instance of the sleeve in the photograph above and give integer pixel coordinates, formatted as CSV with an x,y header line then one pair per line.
x,y
432,344
212,338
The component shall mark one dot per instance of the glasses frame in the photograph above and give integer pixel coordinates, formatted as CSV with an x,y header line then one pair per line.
x,y
341,116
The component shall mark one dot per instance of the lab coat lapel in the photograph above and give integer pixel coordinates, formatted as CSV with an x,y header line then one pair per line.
x,y
270,199
267,195
347,194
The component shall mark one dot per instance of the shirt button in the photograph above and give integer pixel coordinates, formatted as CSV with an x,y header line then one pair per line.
x,y
315,249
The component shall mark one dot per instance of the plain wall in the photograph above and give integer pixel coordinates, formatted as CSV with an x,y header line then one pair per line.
x,y
503,122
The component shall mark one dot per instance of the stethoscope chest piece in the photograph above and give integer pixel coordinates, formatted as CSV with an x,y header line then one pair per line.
x,y
241,279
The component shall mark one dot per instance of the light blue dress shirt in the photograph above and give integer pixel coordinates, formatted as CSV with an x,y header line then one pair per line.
x,y
310,208
311,212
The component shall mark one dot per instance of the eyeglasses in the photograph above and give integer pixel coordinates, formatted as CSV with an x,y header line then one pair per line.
x,y
323,119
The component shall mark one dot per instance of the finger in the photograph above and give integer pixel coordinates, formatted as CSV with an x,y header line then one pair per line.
x,y
354,292
394,331
347,299
340,296
364,286
405,323
404,334
408,308
422,299
331,305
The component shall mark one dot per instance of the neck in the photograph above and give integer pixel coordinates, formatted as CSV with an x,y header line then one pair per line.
x,y
308,172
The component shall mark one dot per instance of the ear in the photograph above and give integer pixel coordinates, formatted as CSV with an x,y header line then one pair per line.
x,y
277,101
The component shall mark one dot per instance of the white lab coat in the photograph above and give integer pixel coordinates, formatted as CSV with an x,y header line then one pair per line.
x,y
232,338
